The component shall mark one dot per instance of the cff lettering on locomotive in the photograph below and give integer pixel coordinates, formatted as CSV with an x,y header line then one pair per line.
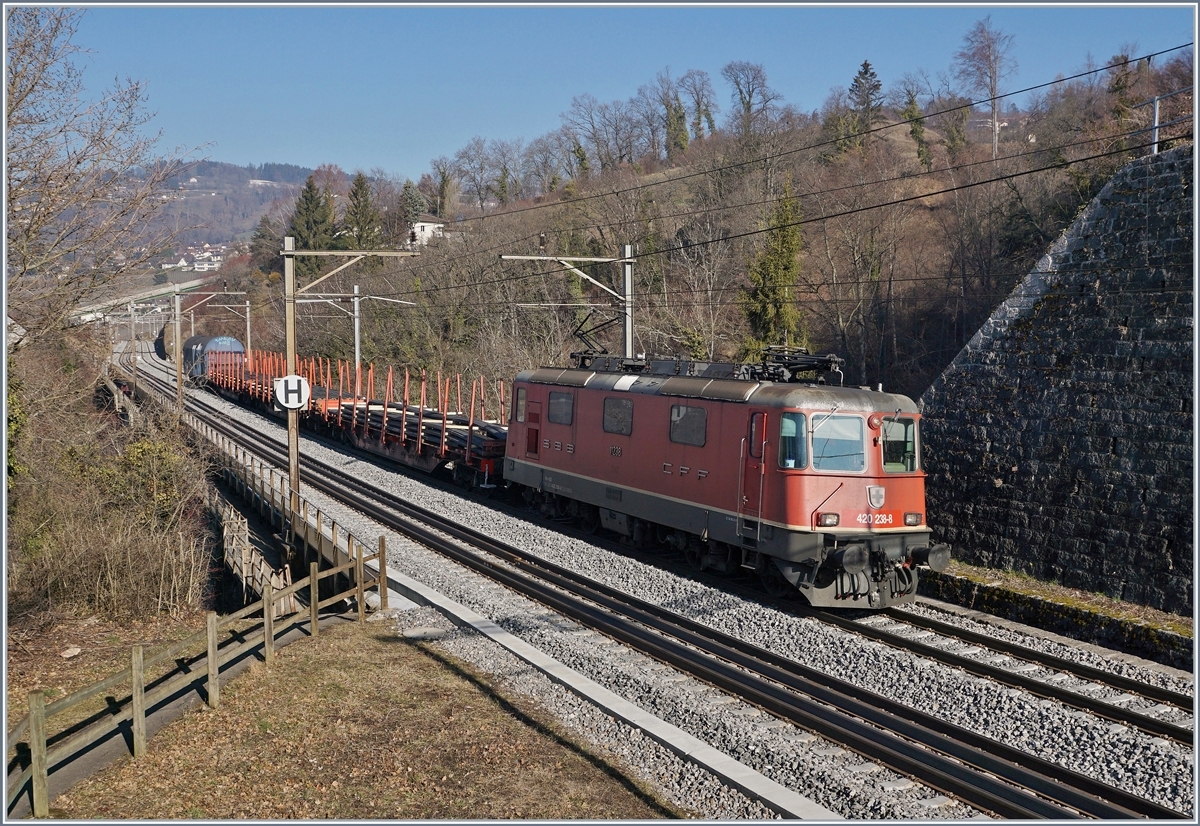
x,y
767,467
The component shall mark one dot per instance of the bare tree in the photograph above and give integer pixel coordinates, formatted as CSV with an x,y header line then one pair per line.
x,y
609,129
753,99
385,191
446,182
543,165
703,104
982,65
84,184
474,167
649,110
504,159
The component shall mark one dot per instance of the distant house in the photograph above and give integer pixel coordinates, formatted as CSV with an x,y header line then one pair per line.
x,y
426,228
170,265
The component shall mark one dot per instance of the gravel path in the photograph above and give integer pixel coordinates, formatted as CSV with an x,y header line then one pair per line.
x,y
1151,767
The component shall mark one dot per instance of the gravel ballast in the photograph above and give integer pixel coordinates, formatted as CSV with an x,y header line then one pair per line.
x,y
842,781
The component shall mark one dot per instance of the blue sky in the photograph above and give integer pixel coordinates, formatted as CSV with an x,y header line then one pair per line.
x,y
392,87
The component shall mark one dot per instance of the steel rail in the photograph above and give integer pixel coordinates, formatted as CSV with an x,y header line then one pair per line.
x,y
1041,688
1064,695
785,674
1081,670
1068,788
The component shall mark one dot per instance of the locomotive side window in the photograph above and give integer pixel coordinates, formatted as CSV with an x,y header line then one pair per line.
x,y
837,443
561,408
618,416
793,447
519,405
758,422
898,439
688,424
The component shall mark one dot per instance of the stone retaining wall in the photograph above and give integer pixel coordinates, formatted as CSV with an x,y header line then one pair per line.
x,y
1059,441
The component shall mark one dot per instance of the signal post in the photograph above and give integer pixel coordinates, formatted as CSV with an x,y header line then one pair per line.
x,y
290,291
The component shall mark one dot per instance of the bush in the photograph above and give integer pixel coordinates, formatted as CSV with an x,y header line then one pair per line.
x,y
102,518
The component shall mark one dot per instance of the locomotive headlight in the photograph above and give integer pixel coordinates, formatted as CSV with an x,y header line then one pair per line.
x,y
827,520
911,519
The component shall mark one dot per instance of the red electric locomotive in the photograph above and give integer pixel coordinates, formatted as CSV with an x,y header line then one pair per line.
x,y
815,487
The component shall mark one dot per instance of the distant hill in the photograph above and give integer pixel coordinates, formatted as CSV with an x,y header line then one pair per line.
x,y
225,201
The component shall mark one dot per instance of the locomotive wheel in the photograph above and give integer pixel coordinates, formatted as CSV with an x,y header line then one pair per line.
x,y
773,582
694,554
589,519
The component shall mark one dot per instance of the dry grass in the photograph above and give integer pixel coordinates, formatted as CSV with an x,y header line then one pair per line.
x,y
35,658
361,723
1099,603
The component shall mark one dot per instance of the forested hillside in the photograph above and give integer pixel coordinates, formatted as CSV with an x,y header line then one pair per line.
x,y
884,227
210,202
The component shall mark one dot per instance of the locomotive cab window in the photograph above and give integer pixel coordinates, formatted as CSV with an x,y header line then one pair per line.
x,y
898,440
688,424
793,446
618,416
519,405
837,443
561,408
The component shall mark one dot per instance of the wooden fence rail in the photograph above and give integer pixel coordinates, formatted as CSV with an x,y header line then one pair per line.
x,y
258,484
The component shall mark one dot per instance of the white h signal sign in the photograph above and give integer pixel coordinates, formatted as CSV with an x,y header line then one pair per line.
x,y
292,392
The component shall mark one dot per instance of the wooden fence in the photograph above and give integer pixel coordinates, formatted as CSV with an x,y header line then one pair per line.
x,y
258,484
250,566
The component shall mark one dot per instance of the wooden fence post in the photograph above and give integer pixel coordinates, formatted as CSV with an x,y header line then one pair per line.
x,y
268,621
358,580
37,752
319,536
314,597
139,703
214,665
383,585
304,525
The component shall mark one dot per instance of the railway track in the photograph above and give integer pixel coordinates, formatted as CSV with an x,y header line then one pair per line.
x,y
986,774
1034,671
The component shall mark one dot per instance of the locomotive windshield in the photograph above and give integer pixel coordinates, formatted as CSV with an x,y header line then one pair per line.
x,y
898,440
838,444
793,447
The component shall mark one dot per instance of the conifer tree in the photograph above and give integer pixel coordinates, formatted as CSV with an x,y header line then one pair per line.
x,y
866,101
265,245
769,303
363,228
412,202
312,226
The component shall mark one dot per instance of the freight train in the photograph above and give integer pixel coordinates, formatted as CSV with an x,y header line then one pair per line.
x,y
768,468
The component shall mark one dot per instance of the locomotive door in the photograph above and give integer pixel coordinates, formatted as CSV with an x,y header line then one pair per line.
x,y
533,429
753,474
